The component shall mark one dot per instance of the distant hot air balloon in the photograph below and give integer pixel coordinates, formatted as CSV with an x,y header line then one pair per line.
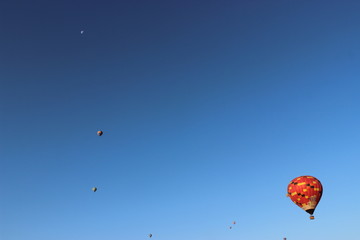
x,y
99,133
234,222
150,235
230,227
94,189
306,192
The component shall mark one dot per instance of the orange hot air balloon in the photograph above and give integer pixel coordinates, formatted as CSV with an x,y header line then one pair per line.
x,y
99,133
306,192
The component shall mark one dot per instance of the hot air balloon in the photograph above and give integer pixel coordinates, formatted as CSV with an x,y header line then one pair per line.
x,y
150,235
99,133
234,222
94,189
306,192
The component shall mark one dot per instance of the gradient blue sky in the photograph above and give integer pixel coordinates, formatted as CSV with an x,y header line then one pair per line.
x,y
209,109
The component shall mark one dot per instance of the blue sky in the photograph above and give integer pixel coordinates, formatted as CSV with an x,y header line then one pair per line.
x,y
209,109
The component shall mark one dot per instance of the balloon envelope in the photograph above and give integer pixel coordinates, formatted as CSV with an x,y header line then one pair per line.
x,y
306,192
99,133
94,189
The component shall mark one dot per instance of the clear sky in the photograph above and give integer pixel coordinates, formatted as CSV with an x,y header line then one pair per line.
x,y
209,109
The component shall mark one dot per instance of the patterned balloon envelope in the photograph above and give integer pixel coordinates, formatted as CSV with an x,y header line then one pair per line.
x,y
306,192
